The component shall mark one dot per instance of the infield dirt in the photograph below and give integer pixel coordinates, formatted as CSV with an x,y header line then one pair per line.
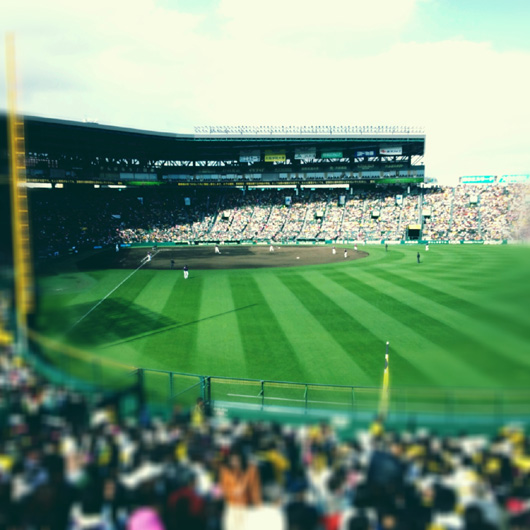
x,y
231,257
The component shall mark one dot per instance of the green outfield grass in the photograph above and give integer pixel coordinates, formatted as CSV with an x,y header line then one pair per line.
x,y
460,318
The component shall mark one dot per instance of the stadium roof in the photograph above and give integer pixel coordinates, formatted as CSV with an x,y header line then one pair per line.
x,y
70,138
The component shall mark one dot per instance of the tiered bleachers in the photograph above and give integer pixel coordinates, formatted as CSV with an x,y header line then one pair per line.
x,y
66,464
64,219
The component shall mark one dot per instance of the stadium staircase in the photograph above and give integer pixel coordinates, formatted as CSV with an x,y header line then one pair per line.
x,y
243,230
285,222
218,207
342,219
479,219
305,218
270,215
451,212
323,218
420,213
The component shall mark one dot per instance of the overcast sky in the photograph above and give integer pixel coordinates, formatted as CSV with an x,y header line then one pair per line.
x,y
461,68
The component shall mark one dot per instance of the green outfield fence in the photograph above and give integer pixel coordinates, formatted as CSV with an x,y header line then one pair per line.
x,y
162,390
407,404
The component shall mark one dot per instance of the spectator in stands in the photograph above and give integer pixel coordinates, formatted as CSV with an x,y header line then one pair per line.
x,y
241,488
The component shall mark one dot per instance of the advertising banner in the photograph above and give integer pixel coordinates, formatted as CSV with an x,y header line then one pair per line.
x,y
249,155
275,156
483,179
394,165
391,151
399,180
331,154
305,153
514,179
365,153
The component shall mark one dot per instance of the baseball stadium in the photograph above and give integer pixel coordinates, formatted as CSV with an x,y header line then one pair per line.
x,y
266,289
307,253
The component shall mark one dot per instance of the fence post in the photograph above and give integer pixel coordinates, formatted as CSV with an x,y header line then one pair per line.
x,y
203,387
208,390
448,407
141,388
499,408
95,372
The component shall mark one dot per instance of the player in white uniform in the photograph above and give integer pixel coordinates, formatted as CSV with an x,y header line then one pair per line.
x,y
217,251
117,247
427,247
149,256
334,250
345,253
186,272
271,249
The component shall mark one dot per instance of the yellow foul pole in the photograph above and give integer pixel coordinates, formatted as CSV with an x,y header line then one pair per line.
x,y
385,390
22,264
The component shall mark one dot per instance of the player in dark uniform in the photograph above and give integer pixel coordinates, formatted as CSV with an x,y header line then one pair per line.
x,y
172,264
418,257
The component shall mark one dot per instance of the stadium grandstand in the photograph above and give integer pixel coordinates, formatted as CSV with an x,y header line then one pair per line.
x,y
104,422
244,185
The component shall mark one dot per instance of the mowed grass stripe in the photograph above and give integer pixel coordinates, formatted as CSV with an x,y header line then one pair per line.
x,y
475,355
156,292
487,334
317,349
353,338
506,269
269,353
412,355
174,349
106,282
443,297
219,350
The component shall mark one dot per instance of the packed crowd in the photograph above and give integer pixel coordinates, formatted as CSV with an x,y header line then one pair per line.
x,y
69,464
66,219
438,206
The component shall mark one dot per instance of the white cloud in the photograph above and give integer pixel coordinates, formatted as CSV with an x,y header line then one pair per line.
x,y
291,62
272,16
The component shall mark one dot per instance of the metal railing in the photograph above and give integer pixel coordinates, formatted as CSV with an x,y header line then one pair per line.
x,y
407,404
165,389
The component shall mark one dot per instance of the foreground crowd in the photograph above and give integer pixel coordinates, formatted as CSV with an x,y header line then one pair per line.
x,y
68,464
66,219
